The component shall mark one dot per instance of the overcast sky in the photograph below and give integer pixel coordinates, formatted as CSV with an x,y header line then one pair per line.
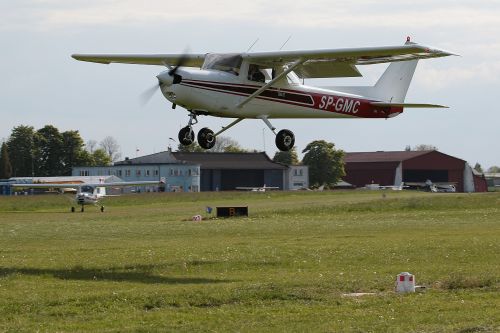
x,y
41,84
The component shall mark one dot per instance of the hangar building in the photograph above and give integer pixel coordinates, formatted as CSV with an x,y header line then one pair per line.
x,y
226,171
394,167
193,172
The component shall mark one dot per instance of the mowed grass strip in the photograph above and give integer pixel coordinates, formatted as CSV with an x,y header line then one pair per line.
x,y
143,265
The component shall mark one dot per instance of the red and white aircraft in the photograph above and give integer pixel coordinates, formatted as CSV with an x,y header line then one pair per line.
x,y
267,85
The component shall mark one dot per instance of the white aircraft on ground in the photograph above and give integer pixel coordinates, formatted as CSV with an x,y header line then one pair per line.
x,y
257,189
86,194
267,85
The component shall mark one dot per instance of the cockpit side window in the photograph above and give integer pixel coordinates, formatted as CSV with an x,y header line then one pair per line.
x,y
87,189
255,73
229,63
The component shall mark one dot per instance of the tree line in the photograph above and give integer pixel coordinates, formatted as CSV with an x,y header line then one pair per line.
x,y
49,152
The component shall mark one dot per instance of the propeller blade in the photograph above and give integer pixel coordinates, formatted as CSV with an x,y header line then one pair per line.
x,y
146,96
181,62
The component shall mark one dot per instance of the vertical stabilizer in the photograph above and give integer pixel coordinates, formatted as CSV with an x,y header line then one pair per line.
x,y
394,83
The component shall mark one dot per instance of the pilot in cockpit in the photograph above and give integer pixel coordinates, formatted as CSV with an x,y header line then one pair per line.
x,y
254,74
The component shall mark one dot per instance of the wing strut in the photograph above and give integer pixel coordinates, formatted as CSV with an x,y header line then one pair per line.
x,y
270,83
225,128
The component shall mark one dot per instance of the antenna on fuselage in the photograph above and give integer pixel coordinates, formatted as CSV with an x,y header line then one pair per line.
x,y
282,46
253,45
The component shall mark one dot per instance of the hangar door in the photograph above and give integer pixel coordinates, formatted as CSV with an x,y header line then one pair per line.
x,y
248,178
435,176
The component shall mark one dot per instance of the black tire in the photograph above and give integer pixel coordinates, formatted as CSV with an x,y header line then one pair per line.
x,y
285,140
102,209
186,136
206,138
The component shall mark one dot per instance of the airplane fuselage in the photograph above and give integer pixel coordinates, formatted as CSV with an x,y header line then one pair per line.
x,y
218,94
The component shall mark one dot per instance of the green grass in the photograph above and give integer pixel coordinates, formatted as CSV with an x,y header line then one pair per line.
x,y
144,266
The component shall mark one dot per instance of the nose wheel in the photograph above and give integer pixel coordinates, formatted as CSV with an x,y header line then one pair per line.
x,y
186,136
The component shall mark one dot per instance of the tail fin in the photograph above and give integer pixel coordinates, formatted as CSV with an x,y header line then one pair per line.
x,y
394,83
392,86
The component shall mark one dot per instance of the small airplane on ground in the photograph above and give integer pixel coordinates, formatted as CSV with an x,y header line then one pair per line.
x,y
257,189
86,194
428,185
399,187
267,85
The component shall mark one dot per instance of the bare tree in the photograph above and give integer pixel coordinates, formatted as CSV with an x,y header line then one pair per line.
x,y
226,144
91,146
111,147
422,147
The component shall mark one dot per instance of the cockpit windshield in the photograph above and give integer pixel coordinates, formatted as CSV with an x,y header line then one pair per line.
x,y
229,63
87,189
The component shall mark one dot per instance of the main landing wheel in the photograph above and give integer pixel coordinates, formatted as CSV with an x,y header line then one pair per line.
x,y
285,140
186,136
206,138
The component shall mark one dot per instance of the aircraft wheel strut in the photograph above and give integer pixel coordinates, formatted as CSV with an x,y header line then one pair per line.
x,y
285,140
206,138
186,136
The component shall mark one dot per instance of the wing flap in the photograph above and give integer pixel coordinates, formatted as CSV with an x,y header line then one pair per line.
x,y
324,69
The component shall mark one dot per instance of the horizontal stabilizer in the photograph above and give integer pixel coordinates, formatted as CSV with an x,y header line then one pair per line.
x,y
408,105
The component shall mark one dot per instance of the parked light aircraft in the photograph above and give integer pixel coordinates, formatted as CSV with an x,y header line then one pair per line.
x,y
257,189
267,85
86,194
435,187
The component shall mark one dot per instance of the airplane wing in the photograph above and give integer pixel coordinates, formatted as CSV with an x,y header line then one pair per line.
x,y
77,185
342,62
189,60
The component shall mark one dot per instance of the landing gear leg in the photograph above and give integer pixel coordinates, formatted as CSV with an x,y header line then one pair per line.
x,y
284,138
186,134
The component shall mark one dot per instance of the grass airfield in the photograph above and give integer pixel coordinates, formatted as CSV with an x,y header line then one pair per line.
x,y
144,266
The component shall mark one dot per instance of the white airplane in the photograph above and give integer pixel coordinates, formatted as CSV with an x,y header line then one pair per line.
x,y
267,85
257,189
449,187
399,187
86,194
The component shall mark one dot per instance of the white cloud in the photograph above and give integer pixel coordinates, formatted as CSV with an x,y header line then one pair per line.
x,y
321,14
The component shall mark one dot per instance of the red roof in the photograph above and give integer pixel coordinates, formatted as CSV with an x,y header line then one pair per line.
x,y
383,156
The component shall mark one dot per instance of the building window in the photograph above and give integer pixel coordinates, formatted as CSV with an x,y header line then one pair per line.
x,y
171,172
156,173
300,172
147,173
189,172
84,173
127,173
138,173
119,173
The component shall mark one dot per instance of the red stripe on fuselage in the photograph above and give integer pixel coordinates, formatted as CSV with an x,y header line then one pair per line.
x,y
343,105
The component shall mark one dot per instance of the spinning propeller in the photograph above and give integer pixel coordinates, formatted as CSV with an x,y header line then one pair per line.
x,y
165,78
